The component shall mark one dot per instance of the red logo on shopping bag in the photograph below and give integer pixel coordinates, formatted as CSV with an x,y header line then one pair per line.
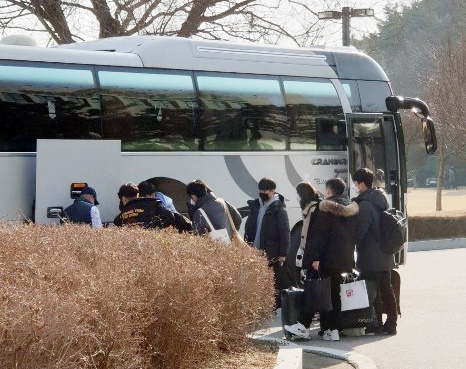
x,y
349,292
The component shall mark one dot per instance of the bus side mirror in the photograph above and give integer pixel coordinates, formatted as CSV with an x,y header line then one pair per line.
x,y
430,139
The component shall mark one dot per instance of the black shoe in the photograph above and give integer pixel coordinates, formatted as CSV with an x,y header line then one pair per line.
x,y
371,330
390,330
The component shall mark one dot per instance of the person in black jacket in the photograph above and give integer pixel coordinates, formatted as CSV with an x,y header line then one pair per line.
x,y
372,262
267,228
202,197
309,202
193,206
329,250
141,211
147,190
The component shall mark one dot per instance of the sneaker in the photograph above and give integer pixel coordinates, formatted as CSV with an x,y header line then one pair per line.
x,y
298,330
331,335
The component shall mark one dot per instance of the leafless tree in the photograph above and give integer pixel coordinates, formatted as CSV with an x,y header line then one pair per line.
x,y
67,21
447,95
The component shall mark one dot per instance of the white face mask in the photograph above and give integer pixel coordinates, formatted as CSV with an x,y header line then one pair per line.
x,y
298,198
192,202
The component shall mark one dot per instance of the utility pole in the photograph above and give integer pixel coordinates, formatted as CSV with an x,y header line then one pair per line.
x,y
345,15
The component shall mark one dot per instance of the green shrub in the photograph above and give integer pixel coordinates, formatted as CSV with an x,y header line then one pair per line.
x,y
437,226
73,297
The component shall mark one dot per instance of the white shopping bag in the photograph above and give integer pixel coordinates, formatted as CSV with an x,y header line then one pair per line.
x,y
220,235
216,234
353,295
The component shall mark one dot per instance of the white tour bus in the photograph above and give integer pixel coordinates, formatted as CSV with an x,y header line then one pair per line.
x,y
171,110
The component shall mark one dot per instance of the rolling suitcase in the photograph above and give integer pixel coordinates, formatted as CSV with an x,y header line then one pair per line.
x,y
396,284
291,307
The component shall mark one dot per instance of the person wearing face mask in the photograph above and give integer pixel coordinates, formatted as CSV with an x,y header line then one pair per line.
x,y
267,228
202,197
373,263
191,205
329,250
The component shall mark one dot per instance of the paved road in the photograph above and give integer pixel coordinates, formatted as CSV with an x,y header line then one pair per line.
x,y
432,329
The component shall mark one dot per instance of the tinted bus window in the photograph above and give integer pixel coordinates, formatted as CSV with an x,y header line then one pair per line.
x,y
352,93
41,102
373,94
315,115
149,111
241,113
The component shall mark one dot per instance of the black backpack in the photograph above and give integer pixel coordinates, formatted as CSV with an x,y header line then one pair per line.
x,y
394,228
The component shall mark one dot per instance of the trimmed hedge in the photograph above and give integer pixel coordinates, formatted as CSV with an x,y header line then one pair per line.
x,y
439,225
74,297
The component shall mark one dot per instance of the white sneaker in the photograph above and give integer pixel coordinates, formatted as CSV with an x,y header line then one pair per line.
x,y
298,330
331,335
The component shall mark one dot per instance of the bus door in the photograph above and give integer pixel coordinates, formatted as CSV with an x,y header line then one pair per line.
x,y
375,143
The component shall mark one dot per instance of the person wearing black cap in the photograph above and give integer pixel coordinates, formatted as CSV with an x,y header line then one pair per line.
x,y
84,209
202,197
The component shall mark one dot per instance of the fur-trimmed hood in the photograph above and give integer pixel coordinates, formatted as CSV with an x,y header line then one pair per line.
x,y
338,209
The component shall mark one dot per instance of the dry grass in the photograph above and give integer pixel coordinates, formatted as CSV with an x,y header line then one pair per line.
x,y
255,355
422,201
73,297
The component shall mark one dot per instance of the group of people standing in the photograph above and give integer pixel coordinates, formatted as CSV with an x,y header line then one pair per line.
x,y
141,205
332,229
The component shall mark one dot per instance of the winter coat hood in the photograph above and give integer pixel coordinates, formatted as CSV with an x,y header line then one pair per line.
x,y
339,206
375,197
332,237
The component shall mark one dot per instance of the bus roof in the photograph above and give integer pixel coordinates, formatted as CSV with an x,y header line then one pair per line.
x,y
69,56
204,55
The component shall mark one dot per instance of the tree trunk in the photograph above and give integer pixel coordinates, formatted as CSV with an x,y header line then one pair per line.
x,y
440,177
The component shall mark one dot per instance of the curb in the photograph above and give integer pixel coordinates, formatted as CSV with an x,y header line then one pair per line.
x,y
357,360
442,244
290,355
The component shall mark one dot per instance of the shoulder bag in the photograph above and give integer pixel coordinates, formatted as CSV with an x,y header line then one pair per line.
x,y
234,233
216,234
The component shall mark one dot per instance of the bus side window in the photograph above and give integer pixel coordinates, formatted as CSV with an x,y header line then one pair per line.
x,y
241,113
43,101
314,110
150,110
